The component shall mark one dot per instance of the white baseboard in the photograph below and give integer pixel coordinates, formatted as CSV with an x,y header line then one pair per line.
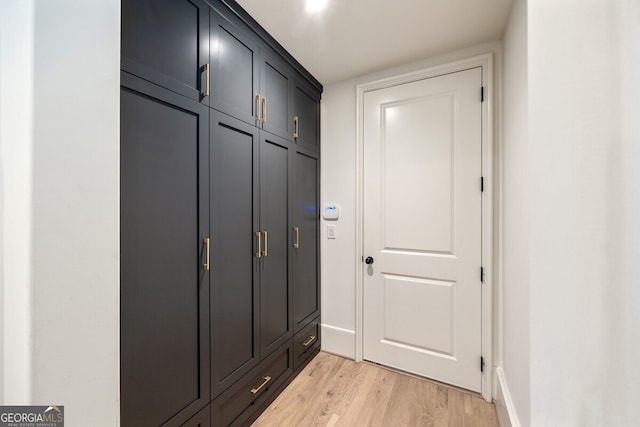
x,y
507,416
339,341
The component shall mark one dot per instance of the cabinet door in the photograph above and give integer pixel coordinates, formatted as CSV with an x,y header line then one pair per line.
x,y
235,68
306,109
167,42
306,290
164,308
234,269
276,86
275,298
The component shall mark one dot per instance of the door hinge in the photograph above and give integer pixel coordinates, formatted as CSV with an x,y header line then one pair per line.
x,y
482,94
481,364
482,183
482,274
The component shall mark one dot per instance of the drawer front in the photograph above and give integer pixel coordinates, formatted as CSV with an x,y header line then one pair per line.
x,y
306,342
201,419
238,403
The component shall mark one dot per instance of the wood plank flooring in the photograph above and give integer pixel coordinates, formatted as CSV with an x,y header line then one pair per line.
x,y
333,391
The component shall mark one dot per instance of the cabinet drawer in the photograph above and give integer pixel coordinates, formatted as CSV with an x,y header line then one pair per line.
x,y
201,419
239,402
306,342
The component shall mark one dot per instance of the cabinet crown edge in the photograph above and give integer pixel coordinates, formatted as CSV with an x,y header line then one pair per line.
x,y
236,9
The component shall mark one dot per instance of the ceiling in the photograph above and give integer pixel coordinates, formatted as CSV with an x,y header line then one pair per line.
x,y
354,37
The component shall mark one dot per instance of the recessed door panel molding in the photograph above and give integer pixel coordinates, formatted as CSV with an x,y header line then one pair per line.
x,y
423,227
419,301
417,173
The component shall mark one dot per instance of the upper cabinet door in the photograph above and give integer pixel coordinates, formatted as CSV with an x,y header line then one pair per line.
x,y
306,111
235,68
276,87
167,42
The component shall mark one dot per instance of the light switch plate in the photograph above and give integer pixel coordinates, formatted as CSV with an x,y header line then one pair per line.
x,y
331,231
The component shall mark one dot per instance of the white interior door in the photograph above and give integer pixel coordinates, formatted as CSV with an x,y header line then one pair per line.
x,y
422,227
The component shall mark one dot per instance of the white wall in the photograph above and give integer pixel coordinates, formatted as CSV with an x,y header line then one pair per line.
x,y
338,173
584,139
74,208
514,293
16,146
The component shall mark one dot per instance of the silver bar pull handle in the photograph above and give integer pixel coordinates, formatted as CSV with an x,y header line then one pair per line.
x,y
296,128
266,379
309,340
207,264
264,109
207,88
259,251
265,252
258,115
296,232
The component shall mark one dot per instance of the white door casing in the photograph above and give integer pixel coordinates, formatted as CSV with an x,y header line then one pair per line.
x,y
422,213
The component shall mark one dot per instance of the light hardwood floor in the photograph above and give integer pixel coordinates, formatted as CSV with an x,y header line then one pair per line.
x,y
334,391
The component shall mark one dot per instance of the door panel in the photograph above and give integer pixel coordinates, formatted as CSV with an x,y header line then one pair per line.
x,y
234,269
306,300
422,170
418,217
167,42
276,86
275,304
164,290
235,59
306,106
418,301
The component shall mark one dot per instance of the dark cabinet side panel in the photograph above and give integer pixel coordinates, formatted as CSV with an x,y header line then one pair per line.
x,y
274,219
167,42
164,291
306,293
234,219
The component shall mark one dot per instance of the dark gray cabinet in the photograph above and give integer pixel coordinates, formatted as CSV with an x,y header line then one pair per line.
x,y
306,111
235,270
275,295
235,61
219,211
164,290
305,244
167,42
201,419
249,80
276,85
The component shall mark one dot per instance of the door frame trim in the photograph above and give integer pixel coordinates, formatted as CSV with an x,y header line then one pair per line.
x,y
484,61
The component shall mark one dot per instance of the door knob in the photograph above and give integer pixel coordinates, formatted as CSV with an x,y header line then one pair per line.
x,y
369,260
